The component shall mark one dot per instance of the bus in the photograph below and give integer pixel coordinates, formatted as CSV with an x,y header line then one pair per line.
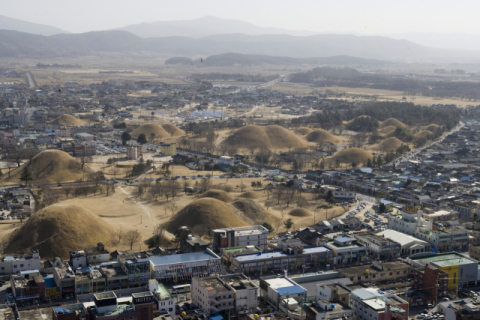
x,y
182,288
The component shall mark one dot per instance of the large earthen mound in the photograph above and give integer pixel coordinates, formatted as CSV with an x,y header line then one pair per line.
x,y
300,212
423,134
303,131
321,136
67,120
52,166
250,195
271,137
210,212
251,211
389,144
57,230
432,127
392,122
165,130
217,194
350,155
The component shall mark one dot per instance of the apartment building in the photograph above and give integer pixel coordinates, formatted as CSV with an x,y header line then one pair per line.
x,y
15,264
134,152
240,237
234,292
370,304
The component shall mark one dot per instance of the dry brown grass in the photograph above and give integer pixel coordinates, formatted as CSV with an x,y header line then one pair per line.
x,y
50,166
210,212
251,211
217,194
58,229
386,131
432,127
392,122
271,137
423,134
350,155
322,136
300,212
67,120
165,130
389,144
303,131
250,195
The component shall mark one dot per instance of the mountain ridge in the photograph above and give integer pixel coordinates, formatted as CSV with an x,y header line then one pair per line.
x,y
8,23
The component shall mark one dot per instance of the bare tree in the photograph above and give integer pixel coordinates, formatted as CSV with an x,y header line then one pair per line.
x,y
172,206
115,170
223,149
205,185
132,237
232,150
186,184
156,191
173,187
278,193
242,187
200,230
67,190
289,196
49,196
119,235
301,201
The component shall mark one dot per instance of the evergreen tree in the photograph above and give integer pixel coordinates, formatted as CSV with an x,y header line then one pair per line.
x,y
26,175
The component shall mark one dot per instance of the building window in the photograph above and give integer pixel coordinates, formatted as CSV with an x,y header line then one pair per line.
x,y
454,278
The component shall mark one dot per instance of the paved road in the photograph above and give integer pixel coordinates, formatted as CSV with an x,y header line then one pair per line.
x,y
31,80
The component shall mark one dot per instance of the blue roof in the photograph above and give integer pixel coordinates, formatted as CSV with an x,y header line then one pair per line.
x,y
49,282
290,290
184,257
343,239
216,316
256,256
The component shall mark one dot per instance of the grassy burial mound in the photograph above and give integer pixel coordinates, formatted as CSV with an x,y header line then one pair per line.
x,y
250,195
67,120
51,166
432,127
389,144
322,136
303,131
271,137
350,155
392,122
57,230
217,194
300,212
251,211
387,131
210,212
423,134
165,130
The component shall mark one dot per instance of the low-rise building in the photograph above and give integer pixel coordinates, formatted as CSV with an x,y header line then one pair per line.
x,y
64,278
379,247
324,309
346,250
168,149
431,286
107,307
137,267
369,304
234,292
97,255
377,272
240,237
475,252
281,292
78,259
15,264
75,311
408,244
28,286
134,152
115,277
89,282
464,309
162,297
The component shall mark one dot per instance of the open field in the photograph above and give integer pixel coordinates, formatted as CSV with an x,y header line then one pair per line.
x,y
14,80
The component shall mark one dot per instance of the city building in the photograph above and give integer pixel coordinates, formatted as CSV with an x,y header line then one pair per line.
x,y
162,297
190,243
85,136
377,272
431,286
64,278
345,250
115,277
462,271
408,244
324,309
62,133
282,293
97,255
75,311
107,307
78,259
475,252
90,281
225,162
52,292
233,292
379,247
370,304
15,264
134,152
464,309
28,286
184,266
168,149
240,237
137,267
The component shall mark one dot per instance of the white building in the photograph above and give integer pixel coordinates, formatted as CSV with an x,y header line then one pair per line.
x,y
344,195
15,264
240,237
409,244
225,161
162,297
90,148
78,259
97,255
371,305
62,133
234,292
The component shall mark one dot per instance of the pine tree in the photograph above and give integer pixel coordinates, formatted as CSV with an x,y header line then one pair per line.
x,y
26,175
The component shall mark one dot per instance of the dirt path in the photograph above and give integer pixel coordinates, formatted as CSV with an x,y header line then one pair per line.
x,y
145,209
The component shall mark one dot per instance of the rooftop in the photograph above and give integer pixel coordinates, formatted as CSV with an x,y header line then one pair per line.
x,y
112,271
445,259
402,238
184,257
213,283
121,309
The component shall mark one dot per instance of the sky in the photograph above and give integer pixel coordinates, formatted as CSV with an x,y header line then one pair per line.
x,y
339,16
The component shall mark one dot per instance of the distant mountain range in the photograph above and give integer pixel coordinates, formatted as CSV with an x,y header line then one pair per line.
x,y
8,23
18,44
205,26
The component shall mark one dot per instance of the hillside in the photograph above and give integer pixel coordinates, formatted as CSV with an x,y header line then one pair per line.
x,y
251,211
392,122
217,194
432,127
303,131
14,44
67,120
51,166
423,134
8,23
210,212
357,155
165,130
271,137
57,230
321,136
389,144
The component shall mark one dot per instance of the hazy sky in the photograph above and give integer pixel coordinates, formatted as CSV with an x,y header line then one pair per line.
x,y
356,16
